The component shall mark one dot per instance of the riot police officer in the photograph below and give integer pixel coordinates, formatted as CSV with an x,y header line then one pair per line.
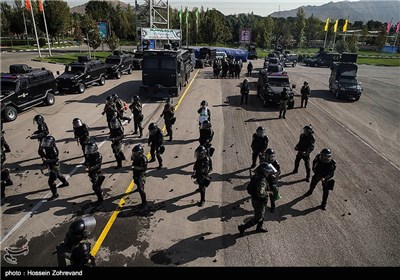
x,y
139,167
259,145
120,106
169,118
284,98
49,152
116,136
244,91
305,93
5,174
110,110
93,160
81,133
304,148
205,112
41,132
4,142
270,157
201,170
137,111
156,140
74,251
324,170
206,136
259,189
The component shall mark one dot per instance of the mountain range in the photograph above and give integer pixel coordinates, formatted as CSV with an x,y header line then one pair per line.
x,y
382,11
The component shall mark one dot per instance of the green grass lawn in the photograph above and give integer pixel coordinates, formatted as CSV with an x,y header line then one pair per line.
x,y
379,61
67,58
17,48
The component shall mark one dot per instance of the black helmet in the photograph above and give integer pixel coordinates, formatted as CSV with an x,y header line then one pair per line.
x,y
77,122
267,168
326,155
270,155
115,123
204,103
305,83
81,228
260,131
308,129
137,151
109,99
152,128
285,89
200,152
91,148
136,98
245,81
38,119
205,124
114,97
48,141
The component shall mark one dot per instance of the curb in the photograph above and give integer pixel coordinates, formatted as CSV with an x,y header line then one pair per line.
x,y
29,50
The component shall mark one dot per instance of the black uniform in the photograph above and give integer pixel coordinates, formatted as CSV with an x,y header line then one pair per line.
x,y
284,98
4,142
322,171
41,132
116,135
82,135
169,118
244,91
249,69
272,181
259,145
206,137
5,174
111,111
50,155
201,171
136,108
139,166
93,165
304,149
305,93
156,141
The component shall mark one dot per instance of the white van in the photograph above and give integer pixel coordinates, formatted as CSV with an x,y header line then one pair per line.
x,y
221,55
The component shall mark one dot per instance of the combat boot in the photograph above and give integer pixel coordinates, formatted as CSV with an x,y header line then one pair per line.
x,y
100,197
141,132
119,165
241,229
260,227
64,183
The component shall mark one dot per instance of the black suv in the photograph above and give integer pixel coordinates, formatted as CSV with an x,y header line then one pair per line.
x,y
81,74
24,88
322,59
138,60
119,63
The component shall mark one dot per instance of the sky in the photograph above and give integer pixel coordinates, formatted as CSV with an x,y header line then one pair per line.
x,y
227,7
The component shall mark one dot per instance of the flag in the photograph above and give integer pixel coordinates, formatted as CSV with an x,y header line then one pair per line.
x,y
335,26
345,25
28,4
40,5
180,16
187,17
197,19
326,24
398,27
389,24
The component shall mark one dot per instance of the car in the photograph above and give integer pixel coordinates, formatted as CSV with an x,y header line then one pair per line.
x,y
24,88
119,63
138,60
322,59
80,74
221,55
270,86
290,59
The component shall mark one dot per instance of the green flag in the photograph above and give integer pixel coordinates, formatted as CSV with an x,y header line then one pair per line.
x,y
187,17
197,20
180,17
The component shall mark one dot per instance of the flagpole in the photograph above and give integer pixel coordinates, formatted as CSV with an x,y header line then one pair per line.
x,y
47,33
168,18
26,29
326,35
187,28
334,40
34,27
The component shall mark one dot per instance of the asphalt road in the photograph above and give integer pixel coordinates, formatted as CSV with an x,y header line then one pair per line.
x,y
359,228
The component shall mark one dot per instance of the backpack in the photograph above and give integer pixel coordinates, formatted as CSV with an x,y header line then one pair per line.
x,y
252,185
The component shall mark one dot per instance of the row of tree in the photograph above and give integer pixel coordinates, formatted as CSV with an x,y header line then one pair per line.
x,y
212,26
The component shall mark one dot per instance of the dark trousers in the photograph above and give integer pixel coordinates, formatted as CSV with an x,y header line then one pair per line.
x,y
140,181
306,159
304,100
325,191
5,180
260,154
117,150
137,124
54,175
97,180
168,127
155,152
245,97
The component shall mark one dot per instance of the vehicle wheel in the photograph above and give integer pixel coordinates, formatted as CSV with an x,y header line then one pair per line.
x,y
10,113
337,95
118,75
130,70
81,87
102,81
50,99
357,98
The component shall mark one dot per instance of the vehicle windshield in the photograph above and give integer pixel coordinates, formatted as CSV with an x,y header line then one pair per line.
x,y
348,81
8,85
280,82
274,68
113,60
138,55
162,64
74,69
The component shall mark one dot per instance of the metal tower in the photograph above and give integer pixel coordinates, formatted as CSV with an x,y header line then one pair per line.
x,y
153,14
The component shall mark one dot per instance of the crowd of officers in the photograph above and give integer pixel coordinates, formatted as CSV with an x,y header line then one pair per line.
x,y
263,183
227,68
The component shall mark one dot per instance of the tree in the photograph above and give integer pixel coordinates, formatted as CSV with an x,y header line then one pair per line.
x,y
113,41
94,38
381,38
352,43
342,46
58,17
6,18
298,32
213,28
264,37
314,28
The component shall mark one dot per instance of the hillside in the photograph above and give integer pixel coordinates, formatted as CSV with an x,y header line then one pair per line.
x,y
81,8
364,11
